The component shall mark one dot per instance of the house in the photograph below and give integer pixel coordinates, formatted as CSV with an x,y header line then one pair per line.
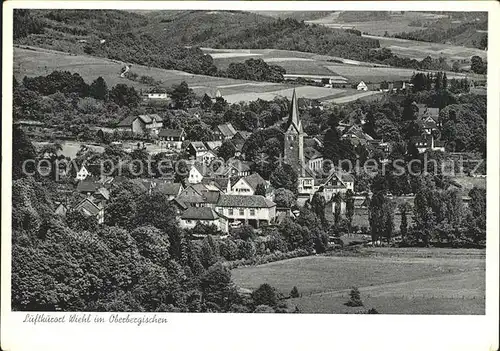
x,y
200,151
88,207
356,136
142,124
198,195
362,86
222,184
172,190
83,173
233,168
61,209
203,215
248,185
157,94
87,186
428,113
224,131
337,183
196,173
426,142
241,136
213,145
171,138
255,210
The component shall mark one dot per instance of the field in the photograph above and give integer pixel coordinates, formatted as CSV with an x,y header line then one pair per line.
x,y
391,280
307,64
420,49
35,61
406,48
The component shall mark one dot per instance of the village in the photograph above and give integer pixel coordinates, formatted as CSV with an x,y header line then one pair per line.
x,y
227,194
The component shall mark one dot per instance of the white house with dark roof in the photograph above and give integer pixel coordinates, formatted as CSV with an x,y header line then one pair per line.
x,y
362,86
171,138
201,152
248,185
203,215
255,210
141,124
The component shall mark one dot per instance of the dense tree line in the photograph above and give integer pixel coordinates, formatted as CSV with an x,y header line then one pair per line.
x,y
439,33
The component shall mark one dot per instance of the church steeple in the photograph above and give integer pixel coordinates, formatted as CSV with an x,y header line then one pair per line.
x,y
293,118
294,138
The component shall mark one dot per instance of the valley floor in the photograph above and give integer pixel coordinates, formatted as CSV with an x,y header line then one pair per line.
x,y
391,280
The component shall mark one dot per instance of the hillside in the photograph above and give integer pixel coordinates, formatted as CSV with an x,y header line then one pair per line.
x,y
159,38
471,33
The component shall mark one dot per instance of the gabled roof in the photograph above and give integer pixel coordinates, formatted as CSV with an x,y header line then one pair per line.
x,y
127,121
171,133
212,145
243,134
200,213
168,188
311,153
252,201
221,183
87,186
88,205
149,118
253,180
330,177
226,129
198,146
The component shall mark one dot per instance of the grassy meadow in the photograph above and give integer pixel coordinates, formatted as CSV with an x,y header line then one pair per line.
x,y
391,280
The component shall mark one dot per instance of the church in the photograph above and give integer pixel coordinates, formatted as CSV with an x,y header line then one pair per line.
x,y
295,156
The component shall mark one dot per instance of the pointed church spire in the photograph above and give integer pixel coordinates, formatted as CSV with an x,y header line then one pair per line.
x,y
293,118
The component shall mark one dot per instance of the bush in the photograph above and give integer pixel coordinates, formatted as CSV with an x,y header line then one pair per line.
x,y
294,293
355,298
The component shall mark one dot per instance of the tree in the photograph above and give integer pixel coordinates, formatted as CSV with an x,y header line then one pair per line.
x,y
318,205
456,66
206,102
226,150
25,24
78,221
218,291
220,105
123,95
477,65
349,207
381,217
294,293
284,176
337,200
260,189
182,96
265,295
23,152
354,298
208,256
99,89
404,210
284,198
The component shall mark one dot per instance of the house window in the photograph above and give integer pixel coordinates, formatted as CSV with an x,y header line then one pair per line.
x,y
252,212
242,212
230,211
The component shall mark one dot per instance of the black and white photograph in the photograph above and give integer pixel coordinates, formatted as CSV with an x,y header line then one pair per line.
x,y
327,162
